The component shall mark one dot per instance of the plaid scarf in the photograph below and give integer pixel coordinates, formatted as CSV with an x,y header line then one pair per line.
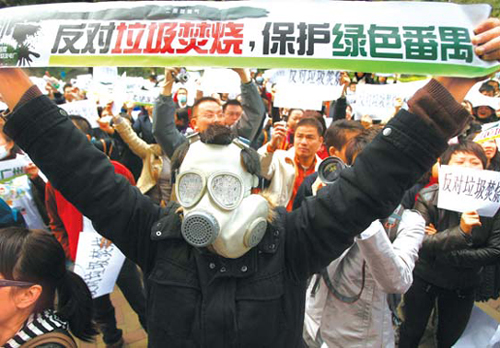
x,y
36,325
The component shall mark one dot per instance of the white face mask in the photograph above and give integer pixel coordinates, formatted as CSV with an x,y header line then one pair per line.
x,y
219,209
4,152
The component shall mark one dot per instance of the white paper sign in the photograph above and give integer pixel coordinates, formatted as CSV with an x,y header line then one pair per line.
x,y
98,267
83,81
288,96
84,108
220,81
105,74
143,97
464,189
378,101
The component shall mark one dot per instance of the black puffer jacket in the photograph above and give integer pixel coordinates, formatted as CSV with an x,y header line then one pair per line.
x,y
450,258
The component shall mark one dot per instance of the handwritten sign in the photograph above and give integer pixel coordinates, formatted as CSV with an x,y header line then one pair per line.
x,y
84,108
464,189
378,101
98,267
143,97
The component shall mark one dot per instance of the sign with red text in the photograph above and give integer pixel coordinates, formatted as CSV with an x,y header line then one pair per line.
x,y
405,37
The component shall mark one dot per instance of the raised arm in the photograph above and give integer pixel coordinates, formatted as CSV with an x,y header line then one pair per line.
x,y
391,264
134,142
374,186
164,129
63,153
253,107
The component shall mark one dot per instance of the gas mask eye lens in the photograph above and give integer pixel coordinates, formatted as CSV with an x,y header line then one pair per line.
x,y
226,189
190,189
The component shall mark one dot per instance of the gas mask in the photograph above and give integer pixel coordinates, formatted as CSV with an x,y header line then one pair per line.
x,y
214,189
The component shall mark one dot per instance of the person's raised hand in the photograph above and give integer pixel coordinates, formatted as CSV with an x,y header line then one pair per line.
x,y
170,72
487,39
487,47
244,74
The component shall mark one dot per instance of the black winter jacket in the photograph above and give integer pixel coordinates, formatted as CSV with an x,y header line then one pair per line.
x,y
451,259
199,299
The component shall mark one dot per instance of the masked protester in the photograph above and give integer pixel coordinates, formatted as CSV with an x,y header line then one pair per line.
x,y
198,296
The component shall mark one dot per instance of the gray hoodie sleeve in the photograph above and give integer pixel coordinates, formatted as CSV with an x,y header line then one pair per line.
x,y
164,129
254,111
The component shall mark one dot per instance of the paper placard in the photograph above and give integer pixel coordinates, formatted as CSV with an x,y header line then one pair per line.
x,y
378,101
463,189
105,74
296,97
98,267
84,108
220,81
489,131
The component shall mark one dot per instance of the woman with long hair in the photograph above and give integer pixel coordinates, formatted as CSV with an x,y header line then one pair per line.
x,y
32,273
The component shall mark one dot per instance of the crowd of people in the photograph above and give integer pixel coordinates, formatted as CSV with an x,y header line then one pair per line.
x,y
235,234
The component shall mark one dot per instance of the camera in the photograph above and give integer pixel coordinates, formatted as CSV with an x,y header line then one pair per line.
x,y
182,76
329,169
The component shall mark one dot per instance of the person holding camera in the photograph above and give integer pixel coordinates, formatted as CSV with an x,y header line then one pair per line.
x,y
352,300
287,169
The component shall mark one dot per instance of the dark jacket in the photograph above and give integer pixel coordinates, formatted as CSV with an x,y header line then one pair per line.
x,y
451,259
144,128
199,299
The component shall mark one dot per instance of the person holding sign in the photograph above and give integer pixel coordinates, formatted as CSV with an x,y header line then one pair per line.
x,y
225,268
455,249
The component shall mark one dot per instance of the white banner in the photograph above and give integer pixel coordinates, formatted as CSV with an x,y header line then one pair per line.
x,y
463,189
84,108
386,37
99,267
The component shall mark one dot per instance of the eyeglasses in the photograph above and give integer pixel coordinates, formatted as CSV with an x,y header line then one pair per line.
x,y
8,282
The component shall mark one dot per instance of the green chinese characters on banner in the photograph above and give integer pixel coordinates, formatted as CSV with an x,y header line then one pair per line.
x,y
414,37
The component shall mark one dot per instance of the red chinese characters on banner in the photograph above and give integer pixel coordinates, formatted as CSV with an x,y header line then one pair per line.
x,y
179,38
